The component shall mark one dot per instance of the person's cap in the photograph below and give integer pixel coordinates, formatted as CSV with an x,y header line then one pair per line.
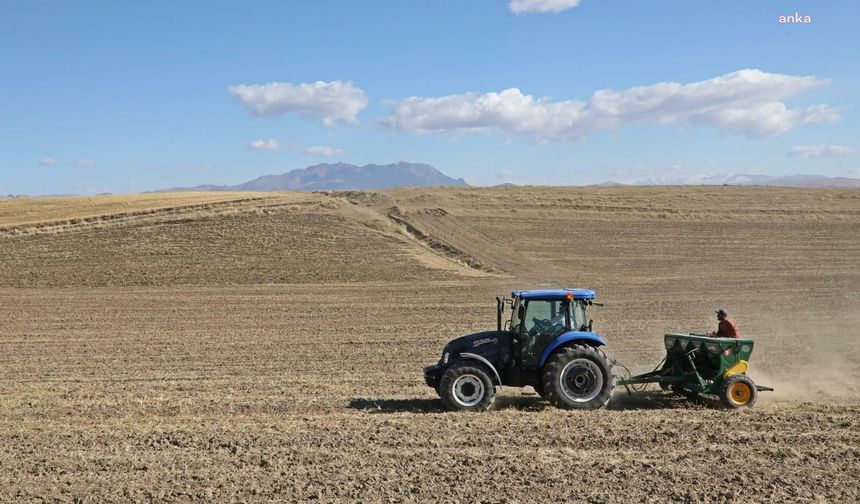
x,y
721,312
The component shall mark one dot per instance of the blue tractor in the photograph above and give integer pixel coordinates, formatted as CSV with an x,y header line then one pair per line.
x,y
547,343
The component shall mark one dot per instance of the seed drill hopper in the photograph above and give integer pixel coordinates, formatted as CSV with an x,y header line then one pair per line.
x,y
698,364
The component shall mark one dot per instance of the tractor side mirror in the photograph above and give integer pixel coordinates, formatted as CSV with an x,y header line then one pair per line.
x,y
590,323
521,312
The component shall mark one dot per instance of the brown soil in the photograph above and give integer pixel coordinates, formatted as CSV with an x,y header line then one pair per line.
x,y
268,347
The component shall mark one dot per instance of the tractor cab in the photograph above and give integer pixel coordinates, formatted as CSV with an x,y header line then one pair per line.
x,y
539,317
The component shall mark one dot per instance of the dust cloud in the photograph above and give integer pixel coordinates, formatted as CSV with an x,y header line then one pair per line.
x,y
818,363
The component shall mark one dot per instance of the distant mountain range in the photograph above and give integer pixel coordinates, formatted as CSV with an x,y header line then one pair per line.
x,y
341,176
761,180
344,176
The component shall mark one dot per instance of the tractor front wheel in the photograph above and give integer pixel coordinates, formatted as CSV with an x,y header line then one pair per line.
x,y
578,377
738,391
467,387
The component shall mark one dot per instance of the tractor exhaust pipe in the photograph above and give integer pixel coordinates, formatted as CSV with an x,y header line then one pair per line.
x,y
500,307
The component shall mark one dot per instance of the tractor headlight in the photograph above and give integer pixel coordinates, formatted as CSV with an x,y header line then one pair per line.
x,y
445,357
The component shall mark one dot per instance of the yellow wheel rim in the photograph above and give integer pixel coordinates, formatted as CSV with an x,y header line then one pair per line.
x,y
740,393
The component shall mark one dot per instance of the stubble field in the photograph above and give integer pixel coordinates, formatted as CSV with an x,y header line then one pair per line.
x,y
269,347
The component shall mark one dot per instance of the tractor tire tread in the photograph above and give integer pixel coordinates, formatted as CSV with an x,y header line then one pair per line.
x,y
556,364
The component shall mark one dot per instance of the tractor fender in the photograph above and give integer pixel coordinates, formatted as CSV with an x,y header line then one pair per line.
x,y
484,361
584,337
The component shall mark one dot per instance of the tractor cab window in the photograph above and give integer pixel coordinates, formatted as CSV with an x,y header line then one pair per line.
x,y
544,321
515,316
577,321
545,317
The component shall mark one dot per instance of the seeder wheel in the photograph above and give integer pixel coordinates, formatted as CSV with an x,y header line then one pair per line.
x,y
738,391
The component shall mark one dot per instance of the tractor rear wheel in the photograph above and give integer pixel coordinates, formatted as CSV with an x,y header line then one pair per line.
x,y
578,377
467,387
738,392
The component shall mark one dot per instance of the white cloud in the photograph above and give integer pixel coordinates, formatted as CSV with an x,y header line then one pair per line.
x,y
816,151
329,102
86,162
324,151
270,144
745,102
47,161
541,6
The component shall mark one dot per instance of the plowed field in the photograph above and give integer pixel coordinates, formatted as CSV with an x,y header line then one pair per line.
x,y
269,347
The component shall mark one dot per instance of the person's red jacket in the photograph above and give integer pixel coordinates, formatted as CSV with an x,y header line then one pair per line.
x,y
727,329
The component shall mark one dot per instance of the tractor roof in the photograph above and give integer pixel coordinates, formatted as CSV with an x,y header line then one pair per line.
x,y
554,294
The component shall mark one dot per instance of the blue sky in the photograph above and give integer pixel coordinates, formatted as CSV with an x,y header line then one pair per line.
x,y
120,96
